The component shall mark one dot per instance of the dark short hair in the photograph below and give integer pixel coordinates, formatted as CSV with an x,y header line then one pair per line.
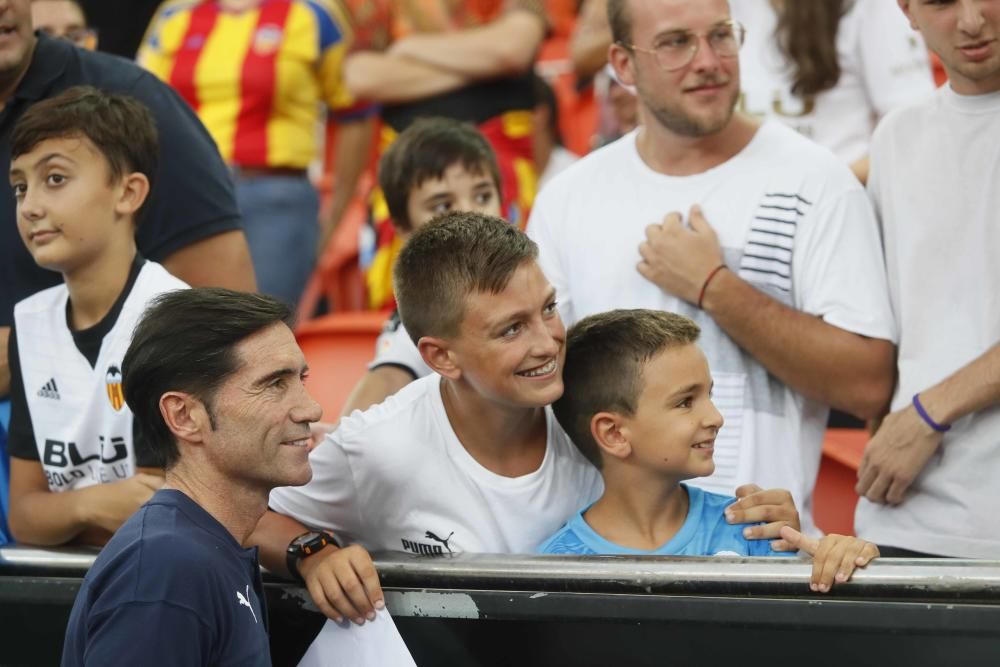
x,y
185,341
620,22
120,127
605,357
424,151
450,258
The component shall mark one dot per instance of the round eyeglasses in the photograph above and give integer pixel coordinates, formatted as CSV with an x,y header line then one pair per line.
x,y
676,49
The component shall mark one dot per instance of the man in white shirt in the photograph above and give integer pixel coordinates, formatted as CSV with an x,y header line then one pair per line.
x,y
929,476
778,260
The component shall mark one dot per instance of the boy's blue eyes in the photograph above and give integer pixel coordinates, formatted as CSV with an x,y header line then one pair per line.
x,y
515,328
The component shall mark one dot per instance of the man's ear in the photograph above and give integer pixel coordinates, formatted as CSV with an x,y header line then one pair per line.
x,y
134,190
611,434
185,416
621,60
437,354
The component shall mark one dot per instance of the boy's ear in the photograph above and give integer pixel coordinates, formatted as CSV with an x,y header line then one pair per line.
x,y
437,354
135,189
609,432
185,416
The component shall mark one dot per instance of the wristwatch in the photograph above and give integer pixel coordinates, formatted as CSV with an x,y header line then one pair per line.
x,y
304,545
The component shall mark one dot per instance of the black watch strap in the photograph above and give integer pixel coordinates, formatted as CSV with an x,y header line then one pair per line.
x,y
304,545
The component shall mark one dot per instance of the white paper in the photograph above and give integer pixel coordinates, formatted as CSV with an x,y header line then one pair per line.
x,y
375,644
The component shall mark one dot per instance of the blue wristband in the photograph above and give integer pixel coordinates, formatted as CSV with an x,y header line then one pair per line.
x,y
940,428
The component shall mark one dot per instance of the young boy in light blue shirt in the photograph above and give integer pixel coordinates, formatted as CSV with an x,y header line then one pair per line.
x,y
637,403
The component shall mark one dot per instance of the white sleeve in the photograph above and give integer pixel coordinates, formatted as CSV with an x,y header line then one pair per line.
x,y
839,269
330,500
543,230
894,62
394,347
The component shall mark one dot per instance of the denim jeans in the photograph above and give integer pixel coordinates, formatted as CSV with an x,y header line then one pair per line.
x,y
280,219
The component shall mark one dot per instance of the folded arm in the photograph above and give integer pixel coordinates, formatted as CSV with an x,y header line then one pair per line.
x,y
502,47
38,516
392,79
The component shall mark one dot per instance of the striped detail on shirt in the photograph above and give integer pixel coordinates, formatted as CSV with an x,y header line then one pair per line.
x,y
767,256
256,76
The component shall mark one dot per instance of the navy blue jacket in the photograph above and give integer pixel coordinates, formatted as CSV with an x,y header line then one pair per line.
x,y
172,587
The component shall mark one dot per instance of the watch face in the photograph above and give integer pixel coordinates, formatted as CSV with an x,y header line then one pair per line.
x,y
304,540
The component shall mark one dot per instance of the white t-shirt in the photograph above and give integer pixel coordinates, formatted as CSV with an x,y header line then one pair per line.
x,y
396,477
935,182
884,65
394,347
792,220
81,423
559,160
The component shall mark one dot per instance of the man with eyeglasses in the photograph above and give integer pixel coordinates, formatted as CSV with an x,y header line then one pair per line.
x,y
763,238
64,19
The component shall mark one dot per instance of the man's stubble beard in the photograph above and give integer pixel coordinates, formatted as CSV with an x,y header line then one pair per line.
x,y
687,125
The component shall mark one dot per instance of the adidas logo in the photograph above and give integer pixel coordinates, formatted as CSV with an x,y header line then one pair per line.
x,y
49,390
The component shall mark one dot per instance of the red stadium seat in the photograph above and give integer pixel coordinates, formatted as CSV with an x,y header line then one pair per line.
x,y
338,348
834,498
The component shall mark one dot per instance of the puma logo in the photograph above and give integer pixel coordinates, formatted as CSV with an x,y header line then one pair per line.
x,y
431,536
429,549
240,598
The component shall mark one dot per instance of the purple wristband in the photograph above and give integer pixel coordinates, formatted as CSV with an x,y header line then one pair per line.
x,y
940,428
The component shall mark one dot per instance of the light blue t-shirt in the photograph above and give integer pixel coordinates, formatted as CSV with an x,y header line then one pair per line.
x,y
704,533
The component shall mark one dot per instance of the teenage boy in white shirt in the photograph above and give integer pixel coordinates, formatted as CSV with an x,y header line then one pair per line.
x,y
468,459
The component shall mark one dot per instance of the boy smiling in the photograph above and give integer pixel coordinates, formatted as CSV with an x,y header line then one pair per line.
x,y
436,166
471,455
638,404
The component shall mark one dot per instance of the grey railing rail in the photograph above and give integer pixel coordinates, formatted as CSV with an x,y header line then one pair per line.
x,y
900,579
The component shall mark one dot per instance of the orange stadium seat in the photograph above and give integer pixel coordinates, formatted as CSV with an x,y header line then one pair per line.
x,y
338,348
834,498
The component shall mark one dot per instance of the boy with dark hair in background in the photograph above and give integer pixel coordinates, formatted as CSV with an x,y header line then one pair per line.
x,y
436,166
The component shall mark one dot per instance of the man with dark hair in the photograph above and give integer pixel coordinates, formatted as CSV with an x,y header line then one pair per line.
x,y
761,237
226,408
